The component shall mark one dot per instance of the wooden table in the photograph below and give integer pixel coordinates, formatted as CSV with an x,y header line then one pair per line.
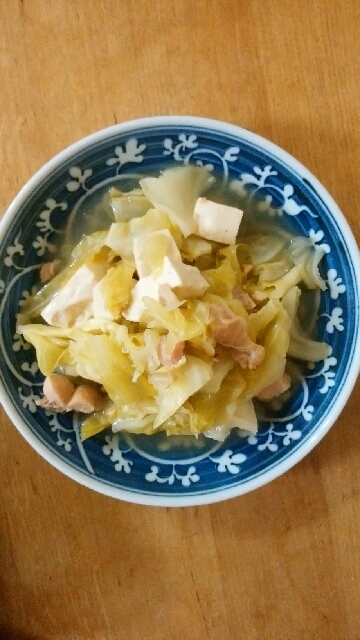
x,y
282,562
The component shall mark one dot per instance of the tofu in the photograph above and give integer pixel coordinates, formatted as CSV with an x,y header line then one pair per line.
x,y
151,249
217,222
151,288
74,302
185,280
99,308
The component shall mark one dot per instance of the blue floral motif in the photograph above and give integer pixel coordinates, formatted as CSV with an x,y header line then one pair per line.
x,y
336,320
28,399
185,479
180,152
316,237
15,249
229,461
133,152
266,437
42,245
60,430
44,222
335,283
116,454
32,368
254,184
80,178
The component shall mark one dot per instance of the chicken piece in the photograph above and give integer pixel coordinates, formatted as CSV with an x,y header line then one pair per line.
x,y
239,294
48,270
249,356
259,296
276,389
58,391
246,268
229,330
86,399
174,356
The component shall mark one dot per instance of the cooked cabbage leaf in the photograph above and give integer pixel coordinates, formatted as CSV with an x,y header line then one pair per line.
x,y
176,191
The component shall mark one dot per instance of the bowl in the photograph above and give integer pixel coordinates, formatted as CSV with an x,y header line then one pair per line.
x,y
180,471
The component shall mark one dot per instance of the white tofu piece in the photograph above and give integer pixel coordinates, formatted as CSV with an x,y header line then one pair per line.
x,y
151,249
74,302
185,280
217,222
99,308
151,288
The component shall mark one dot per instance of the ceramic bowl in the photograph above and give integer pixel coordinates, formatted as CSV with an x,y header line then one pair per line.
x,y
179,471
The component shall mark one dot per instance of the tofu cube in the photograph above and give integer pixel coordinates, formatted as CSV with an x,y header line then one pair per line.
x,y
150,250
151,288
185,280
217,222
74,302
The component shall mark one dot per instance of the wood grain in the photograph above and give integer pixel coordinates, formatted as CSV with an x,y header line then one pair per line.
x,y
284,561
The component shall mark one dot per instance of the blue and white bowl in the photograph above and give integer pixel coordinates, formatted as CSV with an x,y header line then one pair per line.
x,y
157,470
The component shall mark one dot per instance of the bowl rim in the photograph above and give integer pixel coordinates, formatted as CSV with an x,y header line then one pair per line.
x,y
295,457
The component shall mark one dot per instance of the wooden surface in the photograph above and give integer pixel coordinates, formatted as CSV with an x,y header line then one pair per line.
x,y
282,562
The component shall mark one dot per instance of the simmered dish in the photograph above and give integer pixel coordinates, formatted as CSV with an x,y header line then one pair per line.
x,y
173,319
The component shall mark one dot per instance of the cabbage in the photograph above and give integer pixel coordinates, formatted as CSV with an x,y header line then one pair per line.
x,y
193,247
175,192
212,409
272,270
221,279
186,381
308,256
301,346
264,248
115,288
187,323
121,235
51,345
49,354
261,319
275,339
126,206
279,287
101,359
220,371
244,418
98,421
88,247
202,346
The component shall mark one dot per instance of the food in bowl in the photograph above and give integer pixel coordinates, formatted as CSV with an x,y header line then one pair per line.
x,y
178,315
261,179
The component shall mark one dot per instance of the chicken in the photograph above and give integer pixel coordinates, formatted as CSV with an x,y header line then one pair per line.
x,y
239,294
61,395
174,356
246,268
58,391
48,270
229,330
276,389
86,399
259,296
